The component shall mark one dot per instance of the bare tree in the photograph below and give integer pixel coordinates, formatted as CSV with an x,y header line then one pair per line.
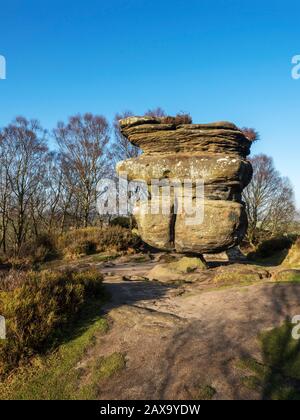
x,y
122,149
5,192
24,153
269,200
46,210
296,224
83,146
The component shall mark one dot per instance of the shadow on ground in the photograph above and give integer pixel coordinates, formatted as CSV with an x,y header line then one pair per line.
x,y
177,341
132,292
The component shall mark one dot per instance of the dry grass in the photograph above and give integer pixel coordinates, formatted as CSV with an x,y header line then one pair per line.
x,y
293,258
289,275
179,119
10,280
79,242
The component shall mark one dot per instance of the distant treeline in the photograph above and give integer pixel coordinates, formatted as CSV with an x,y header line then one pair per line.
x,y
48,192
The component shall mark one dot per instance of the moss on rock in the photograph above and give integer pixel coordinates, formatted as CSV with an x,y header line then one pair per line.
x,y
179,270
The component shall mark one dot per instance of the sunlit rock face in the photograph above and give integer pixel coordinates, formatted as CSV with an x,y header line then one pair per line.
x,y
215,153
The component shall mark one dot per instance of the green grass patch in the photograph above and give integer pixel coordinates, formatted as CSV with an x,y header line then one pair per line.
x,y
278,376
252,366
205,393
101,369
235,278
105,257
106,367
252,382
58,375
287,276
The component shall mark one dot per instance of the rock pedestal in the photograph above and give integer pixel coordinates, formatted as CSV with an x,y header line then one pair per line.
x,y
215,153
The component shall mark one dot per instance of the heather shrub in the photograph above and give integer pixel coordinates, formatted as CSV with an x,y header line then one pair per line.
x,y
95,239
91,280
45,247
12,279
117,238
82,247
179,119
125,222
271,246
38,306
37,250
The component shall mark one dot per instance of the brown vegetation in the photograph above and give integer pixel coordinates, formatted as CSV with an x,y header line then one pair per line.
x,y
35,304
293,257
90,240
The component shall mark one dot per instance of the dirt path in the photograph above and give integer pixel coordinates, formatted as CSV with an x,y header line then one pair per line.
x,y
177,339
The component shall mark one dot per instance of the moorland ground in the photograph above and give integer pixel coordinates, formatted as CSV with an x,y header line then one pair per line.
x,y
207,339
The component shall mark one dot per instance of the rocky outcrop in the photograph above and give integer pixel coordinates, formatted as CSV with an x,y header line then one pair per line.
x,y
184,268
215,153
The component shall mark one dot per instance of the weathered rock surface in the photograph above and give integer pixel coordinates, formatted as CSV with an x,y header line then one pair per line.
x,y
215,153
177,270
176,339
153,136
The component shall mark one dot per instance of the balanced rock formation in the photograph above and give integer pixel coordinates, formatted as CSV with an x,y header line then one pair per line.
x,y
215,153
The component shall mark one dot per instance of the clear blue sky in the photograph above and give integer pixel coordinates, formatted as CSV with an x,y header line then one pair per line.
x,y
219,60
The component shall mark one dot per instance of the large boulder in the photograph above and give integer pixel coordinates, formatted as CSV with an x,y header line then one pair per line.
x,y
215,153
